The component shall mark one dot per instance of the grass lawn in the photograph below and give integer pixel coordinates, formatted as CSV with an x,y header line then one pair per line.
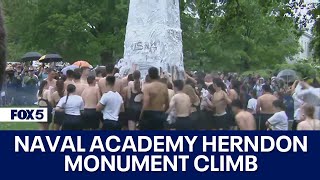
x,y
19,126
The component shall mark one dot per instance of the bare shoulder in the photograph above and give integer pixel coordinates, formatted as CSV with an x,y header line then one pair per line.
x,y
102,80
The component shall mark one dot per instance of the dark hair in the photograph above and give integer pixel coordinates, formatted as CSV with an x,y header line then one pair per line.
x,y
116,70
70,73
266,88
91,79
237,103
236,85
211,89
70,89
147,80
109,68
101,71
308,110
110,80
83,68
253,93
60,87
219,83
49,70
77,74
191,83
130,78
153,73
179,84
279,104
41,88
136,76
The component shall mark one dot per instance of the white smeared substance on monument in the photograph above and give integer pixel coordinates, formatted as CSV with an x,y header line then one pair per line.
x,y
153,38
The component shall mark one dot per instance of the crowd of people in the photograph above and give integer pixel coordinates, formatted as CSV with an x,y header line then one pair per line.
x,y
85,99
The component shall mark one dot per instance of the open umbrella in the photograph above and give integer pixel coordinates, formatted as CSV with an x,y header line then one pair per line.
x,y
287,75
82,64
48,58
30,56
71,67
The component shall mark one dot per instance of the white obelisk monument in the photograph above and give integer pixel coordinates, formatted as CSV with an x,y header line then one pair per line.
x,y
153,38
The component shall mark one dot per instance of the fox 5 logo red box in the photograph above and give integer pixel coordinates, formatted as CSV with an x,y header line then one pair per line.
x,y
23,114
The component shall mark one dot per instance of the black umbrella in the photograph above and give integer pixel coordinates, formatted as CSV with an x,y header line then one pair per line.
x,y
50,58
30,56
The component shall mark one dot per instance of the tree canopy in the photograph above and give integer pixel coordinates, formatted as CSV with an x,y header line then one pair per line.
x,y
235,35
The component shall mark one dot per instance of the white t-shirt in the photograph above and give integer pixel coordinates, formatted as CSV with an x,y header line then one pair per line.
x,y
73,106
112,102
279,121
252,104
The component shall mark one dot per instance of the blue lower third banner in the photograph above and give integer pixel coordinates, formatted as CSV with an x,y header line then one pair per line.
x,y
159,154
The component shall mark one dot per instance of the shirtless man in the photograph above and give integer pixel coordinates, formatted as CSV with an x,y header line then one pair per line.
x,y
265,108
219,102
79,86
102,82
181,103
244,119
84,75
155,103
234,86
308,123
51,81
91,97
69,79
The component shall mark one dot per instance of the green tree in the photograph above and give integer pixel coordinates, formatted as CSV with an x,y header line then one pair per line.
x,y
77,29
316,33
240,35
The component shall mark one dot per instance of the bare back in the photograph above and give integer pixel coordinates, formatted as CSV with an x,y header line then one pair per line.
x,y
233,95
45,96
245,121
309,125
104,89
265,103
55,98
182,104
52,83
91,97
67,82
80,88
219,102
155,96
171,94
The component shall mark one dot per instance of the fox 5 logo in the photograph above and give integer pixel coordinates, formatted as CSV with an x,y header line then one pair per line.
x,y
24,115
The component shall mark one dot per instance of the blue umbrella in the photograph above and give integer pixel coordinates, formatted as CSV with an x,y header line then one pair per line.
x,y
71,67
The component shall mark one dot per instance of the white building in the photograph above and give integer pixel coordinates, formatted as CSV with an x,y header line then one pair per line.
x,y
306,38
305,41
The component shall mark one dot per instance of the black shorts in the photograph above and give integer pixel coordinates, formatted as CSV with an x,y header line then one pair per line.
x,y
222,122
184,123
123,119
72,122
261,121
58,118
91,119
205,120
153,120
110,125
133,114
50,116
